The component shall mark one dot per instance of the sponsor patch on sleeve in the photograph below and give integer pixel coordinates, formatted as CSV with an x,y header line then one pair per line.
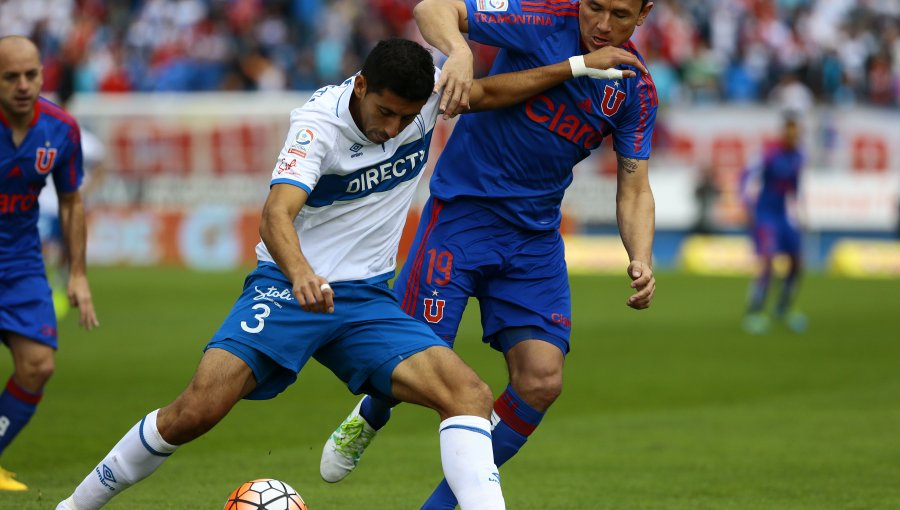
x,y
492,5
303,143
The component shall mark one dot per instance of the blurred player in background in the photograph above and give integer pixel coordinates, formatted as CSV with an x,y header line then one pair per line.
x,y
37,140
491,227
774,215
341,189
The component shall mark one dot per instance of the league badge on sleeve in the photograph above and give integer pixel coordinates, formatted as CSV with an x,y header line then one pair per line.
x,y
303,143
492,5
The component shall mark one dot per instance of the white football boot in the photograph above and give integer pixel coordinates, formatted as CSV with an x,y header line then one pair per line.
x,y
345,446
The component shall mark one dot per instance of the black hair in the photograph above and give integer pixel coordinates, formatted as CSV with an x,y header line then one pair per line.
x,y
404,67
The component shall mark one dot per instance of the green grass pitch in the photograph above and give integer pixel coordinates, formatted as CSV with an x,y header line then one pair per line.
x,y
673,408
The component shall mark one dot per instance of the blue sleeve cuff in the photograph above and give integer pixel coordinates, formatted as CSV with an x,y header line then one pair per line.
x,y
300,185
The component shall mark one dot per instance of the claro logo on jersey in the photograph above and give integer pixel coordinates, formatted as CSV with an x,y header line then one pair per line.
x,y
17,202
372,177
554,117
303,143
492,5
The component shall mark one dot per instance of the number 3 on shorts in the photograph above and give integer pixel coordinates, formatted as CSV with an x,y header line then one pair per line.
x,y
260,316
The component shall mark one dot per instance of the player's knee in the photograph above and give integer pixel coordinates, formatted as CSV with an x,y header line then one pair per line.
x,y
467,396
34,374
539,390
476,396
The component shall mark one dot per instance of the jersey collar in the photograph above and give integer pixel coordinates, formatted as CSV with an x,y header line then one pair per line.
x,y
343,112
34,118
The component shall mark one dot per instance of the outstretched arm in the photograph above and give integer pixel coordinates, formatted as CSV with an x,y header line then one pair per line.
x,y
507,89
636,216
71,218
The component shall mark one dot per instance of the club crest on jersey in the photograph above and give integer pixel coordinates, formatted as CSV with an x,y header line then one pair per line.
x,y
44,159
434,310
611,104
492,5
303,143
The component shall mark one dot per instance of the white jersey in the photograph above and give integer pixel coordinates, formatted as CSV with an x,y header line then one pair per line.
x,y
359,191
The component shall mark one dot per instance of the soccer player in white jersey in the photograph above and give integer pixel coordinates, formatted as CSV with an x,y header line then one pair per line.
x,y
330,228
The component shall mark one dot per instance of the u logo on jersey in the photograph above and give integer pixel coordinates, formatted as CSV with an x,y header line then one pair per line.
x,y
610,104
434,310
44,159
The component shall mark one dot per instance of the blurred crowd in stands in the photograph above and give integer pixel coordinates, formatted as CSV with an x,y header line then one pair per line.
x,y
793,52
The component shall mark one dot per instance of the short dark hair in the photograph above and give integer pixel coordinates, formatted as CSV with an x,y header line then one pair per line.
x,y
404,67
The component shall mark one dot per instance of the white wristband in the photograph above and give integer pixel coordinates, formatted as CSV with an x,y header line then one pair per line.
x,y
579,69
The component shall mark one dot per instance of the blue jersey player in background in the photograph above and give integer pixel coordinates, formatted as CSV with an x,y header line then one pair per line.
x,y
491,226
38,140
774,228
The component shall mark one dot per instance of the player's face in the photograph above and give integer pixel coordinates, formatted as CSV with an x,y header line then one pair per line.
x,y
381,115
610,22
791,134
20,78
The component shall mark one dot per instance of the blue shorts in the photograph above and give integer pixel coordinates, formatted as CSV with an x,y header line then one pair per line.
x,y
26,308
361,342
464,250
776,235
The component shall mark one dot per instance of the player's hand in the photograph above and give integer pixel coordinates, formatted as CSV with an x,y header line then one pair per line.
x,y
643,283
610,56
456,80
79,293
314,294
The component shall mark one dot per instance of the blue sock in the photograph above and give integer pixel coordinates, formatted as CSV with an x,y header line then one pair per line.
x,y
758,293
376,411
786,298
514,420
17,406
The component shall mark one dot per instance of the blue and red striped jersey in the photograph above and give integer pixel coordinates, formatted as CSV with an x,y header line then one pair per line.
x,y
521,158
780,177
52,147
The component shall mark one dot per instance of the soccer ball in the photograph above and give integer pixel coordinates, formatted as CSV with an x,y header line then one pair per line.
x,y
265,494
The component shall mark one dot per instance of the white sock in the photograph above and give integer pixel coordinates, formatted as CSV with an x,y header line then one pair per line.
x,y
132,459
468,460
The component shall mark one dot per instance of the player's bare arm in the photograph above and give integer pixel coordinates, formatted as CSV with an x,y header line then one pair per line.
x,y
635,214
442,23
507,89
71,218
277,230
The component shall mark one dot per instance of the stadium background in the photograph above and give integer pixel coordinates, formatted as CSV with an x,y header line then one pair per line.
x,y
674,408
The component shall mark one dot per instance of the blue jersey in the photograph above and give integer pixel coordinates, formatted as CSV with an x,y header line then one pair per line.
x,y
521,158
52,146
780,177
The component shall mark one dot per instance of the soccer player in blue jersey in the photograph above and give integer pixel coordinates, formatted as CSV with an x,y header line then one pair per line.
x,y
341,189
38,140
491,227
774,228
